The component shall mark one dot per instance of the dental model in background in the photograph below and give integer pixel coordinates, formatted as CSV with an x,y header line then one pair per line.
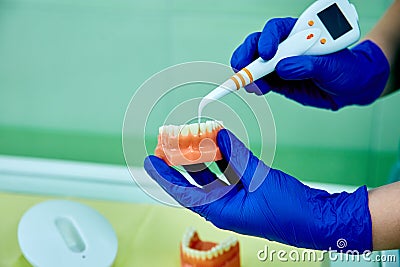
x,y
197,253
189,144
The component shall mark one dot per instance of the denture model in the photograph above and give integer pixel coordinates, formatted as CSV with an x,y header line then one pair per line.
x,y
197,253
189,144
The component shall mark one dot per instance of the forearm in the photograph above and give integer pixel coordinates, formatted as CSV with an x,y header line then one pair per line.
x,y
384,205
384,202
386,34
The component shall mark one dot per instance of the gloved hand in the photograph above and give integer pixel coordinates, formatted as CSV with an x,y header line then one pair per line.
x,y
347,77
268,203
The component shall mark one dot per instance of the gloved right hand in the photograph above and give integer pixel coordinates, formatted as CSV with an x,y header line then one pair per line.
x,y
354,76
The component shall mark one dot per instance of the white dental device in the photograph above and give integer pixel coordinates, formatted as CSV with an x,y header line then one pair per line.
x,y
325,27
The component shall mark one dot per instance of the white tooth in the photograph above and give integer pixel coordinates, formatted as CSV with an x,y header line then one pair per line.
x,y
203,127
220,250
188,252
185,130
229,242
209,126
176,130
215,125
191,252
226,245
194,128
220,124
233,240
160,130
197,254
186,237
209,255
168,129
189,235
214,252
203,255
217,248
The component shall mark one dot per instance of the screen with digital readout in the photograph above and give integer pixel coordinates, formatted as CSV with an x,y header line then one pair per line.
x,y
334,21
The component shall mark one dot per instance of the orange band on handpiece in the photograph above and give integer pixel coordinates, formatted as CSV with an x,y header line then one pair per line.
x,y
249,74
236,82
241,78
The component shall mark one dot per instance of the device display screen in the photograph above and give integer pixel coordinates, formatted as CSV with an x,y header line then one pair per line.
x,y
334,21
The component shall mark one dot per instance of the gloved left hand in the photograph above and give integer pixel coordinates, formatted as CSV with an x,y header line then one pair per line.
x,y
268,203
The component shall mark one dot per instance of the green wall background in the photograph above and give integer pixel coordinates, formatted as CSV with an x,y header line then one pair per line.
x,y
69,68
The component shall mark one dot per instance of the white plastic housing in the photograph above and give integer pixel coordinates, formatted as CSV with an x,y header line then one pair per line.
x,y
331,45
297,43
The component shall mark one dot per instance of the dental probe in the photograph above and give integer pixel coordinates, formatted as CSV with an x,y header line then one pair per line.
x,y
324,27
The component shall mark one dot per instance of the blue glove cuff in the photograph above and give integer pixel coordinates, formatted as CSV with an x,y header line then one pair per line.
x,y
346,222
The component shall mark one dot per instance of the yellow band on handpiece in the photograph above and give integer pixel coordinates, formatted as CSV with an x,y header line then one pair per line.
x,y
249,74
236,82
241,78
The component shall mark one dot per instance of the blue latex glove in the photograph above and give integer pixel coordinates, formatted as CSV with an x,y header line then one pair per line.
x,y
350,76
279,207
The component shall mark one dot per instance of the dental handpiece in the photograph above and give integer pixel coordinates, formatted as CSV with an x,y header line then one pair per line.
x,y
324,27
295,45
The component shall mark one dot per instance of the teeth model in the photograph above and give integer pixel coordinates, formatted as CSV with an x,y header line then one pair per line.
x,y
197,253
189,144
